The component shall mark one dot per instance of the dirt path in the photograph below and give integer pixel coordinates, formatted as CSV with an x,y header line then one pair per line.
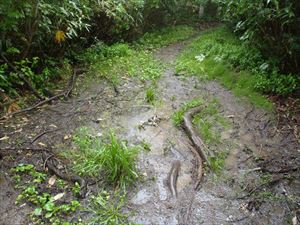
x,y
251,138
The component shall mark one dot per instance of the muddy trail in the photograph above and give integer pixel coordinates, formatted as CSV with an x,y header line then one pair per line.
x,y
235,196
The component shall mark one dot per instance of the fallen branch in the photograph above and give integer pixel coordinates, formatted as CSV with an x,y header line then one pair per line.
x,y
42,134
49,163
64,94
259,187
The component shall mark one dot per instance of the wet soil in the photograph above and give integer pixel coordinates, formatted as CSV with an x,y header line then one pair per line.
x,y
254,144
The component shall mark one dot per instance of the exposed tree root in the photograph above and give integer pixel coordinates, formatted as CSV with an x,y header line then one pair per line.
x,y
50,164
65,94
173,176
197,142
42,134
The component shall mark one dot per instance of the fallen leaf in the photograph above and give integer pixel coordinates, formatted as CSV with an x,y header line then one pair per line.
x,y
294,220
4,138
25,119
58,196
42,144
52,180
13,108
67,136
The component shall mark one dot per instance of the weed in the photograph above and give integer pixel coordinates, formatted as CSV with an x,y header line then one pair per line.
x,y
209,121
47,209
150,95
106,209
113,159
217,162
145,145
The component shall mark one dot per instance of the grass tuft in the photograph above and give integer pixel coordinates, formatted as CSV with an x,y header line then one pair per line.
x,y
113,159
106,209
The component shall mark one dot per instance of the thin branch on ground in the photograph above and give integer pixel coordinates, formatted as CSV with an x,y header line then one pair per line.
x,y
64,94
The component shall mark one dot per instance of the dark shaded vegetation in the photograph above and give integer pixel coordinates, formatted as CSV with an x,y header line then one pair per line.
x,y
40,37
41,40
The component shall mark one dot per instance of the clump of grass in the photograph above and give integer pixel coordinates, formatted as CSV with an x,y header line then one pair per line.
x,y
145,145
209,121
217,162
106,209
113,159
217,54
150,95
177,117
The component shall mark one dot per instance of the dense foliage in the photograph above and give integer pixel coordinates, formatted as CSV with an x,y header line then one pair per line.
x,y
35,34
271,25
40,39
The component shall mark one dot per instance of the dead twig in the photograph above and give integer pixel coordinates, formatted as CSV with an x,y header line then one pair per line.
x,y
49,163
24,149
42,134
64,94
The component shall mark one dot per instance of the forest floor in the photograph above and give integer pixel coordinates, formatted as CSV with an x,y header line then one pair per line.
x,y
256,182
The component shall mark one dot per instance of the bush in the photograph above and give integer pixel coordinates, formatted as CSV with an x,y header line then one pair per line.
x,y
271,25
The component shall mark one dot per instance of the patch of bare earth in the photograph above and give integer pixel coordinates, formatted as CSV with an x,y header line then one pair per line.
x,y
237,196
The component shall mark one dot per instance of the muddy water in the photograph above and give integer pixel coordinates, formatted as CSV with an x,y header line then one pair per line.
x,y
249,139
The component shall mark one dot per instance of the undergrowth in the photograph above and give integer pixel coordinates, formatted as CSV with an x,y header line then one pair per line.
x,y
111,159
48,207
165,36
217,54
122,60
106,208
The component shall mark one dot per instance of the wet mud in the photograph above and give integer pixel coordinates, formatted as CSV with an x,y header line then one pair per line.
x,y
252,141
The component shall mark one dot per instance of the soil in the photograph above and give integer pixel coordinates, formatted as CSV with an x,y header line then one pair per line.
x,y
253,140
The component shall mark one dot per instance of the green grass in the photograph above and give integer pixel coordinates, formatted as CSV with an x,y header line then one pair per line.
x,y
218,55
209,121
217,162
110,159
165,36
121,60
177,117
106,209
150,95
118,61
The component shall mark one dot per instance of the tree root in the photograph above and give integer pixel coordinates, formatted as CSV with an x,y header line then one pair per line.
x,y
173,176
65,94
50,164
197,142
